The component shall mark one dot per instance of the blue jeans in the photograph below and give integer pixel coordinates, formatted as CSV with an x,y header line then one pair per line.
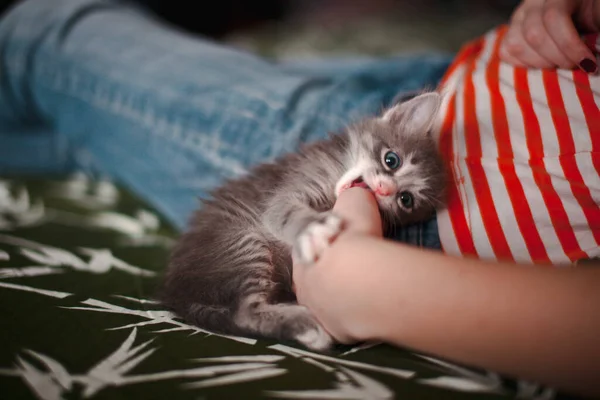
x,y
103,87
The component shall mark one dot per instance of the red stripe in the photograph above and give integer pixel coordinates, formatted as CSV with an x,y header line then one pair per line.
x,y
469,50
558,215
481,187
454,204
567,150
592,119
590,111
506,164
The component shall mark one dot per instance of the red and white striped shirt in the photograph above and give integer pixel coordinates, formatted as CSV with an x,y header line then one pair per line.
x,y
523,151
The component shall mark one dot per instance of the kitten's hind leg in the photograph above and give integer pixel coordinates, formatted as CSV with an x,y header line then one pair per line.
x,y
284,321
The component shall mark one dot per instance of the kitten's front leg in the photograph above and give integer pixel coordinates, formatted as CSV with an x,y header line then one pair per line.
x,y
316,237
307,231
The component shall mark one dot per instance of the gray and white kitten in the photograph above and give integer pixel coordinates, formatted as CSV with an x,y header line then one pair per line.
x,y
231,272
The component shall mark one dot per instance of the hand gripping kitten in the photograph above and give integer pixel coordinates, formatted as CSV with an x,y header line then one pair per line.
x,y
231,273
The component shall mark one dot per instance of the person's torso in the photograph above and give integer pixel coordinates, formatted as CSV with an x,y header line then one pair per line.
x,y
523,151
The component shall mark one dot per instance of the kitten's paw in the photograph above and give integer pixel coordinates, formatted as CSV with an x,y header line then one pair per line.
x,y
316,237
303,328
316,338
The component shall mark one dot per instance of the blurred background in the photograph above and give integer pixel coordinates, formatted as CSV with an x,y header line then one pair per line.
x,y
284,29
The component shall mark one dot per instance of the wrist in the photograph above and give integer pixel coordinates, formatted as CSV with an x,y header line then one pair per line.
x,y
370,278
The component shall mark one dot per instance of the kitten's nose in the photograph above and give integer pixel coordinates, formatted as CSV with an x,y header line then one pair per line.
x,y
385,189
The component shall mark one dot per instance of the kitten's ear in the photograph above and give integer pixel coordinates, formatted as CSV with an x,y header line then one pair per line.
x,y
416,115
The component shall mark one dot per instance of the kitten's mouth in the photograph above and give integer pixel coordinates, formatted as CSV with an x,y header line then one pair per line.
x,y
358,182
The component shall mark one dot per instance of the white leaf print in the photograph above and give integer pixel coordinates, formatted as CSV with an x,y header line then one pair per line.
x,y
176,329
55,257
121,223
194,372
360,347
399,373
153,317
530,390
461,384
28,271
343,391
489,380
363,388
140,301
86,192
318,364
132,231
226,359
373,388
113,370
120,362
239,377
4,256
41,383
100,260
59,373
24,288
547,394
16,209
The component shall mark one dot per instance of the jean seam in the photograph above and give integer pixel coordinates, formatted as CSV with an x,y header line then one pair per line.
x,y
122,105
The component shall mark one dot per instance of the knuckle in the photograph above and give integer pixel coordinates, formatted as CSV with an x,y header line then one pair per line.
x,y
513,46
534,34
551,16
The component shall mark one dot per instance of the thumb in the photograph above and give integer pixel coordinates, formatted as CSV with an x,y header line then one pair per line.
x,y
358,208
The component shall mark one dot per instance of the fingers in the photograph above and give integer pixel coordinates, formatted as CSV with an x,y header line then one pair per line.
x,y
557,17
358,207
537,36
359,210
542,35
517,50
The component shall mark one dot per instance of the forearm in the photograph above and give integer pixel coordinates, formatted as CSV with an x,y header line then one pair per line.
x,y
534,323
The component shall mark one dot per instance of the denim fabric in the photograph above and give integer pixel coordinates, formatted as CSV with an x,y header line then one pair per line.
x,y
423,235
103,87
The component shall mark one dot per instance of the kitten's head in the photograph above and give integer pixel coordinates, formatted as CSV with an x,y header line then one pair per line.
x,y
395,155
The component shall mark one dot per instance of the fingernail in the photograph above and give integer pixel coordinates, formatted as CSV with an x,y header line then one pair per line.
x,y
588,65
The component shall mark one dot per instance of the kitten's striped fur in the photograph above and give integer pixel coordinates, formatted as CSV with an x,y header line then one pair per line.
x,y
231,271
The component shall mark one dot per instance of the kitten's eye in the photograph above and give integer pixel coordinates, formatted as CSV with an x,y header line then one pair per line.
x,y
392,160
407,200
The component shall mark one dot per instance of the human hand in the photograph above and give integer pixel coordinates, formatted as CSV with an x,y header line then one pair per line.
x,y
334,293
543,34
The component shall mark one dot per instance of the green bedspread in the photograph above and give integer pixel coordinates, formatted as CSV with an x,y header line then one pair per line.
x,y
79,261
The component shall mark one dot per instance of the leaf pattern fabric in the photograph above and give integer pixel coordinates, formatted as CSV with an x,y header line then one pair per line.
x,y
79,263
